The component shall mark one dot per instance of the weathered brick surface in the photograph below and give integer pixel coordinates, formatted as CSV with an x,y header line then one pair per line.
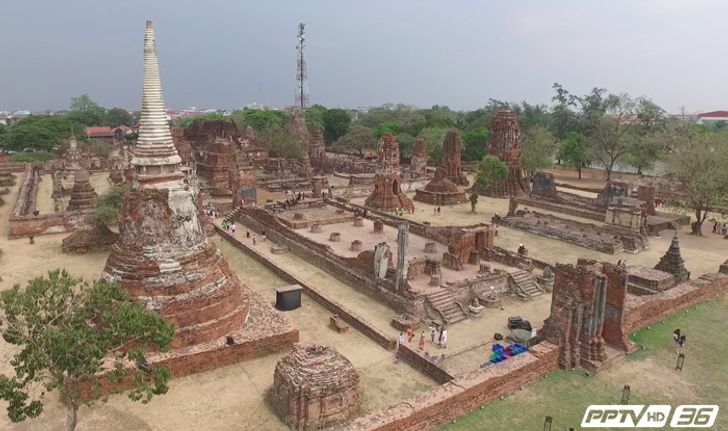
x,y
505,143
645,310
314,387
388,194
458,397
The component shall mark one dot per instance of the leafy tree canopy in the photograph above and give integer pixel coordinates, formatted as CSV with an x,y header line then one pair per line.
x,y
41,132
491,170
65,331
118,117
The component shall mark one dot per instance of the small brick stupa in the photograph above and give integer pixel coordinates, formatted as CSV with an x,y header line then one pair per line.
x,y
315,387
388,194
299,131
443,189
164,258
505,143
316,144
418,161
83,195
673,263
87,234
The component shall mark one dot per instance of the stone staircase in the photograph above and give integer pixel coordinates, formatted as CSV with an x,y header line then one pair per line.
x,y
444,303
526,286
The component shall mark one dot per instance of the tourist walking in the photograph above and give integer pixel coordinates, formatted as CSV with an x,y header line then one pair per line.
x,y
232,228
410,334
247,233
255,239
421,346
433,333
263,235
443,338
676,336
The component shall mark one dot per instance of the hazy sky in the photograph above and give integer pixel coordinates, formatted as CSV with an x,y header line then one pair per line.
x,y
227,54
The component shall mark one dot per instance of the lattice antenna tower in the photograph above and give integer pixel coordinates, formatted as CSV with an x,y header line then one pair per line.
x,y
301,86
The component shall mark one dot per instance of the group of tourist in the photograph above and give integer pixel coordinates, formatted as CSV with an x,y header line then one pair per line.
x,y
622,263
720,228
292,200
437,338
210,211
229,226
436,210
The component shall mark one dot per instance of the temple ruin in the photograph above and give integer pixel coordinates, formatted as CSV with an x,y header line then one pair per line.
x,y
443,189
388,194
164,258
505,143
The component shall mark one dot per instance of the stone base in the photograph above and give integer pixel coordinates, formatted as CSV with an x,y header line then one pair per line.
x,y
440,198
87,239
266,331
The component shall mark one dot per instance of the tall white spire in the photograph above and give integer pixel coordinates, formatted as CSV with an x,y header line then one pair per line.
x,y
155,158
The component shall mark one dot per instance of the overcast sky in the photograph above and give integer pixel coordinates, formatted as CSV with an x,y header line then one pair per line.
x,y
227,54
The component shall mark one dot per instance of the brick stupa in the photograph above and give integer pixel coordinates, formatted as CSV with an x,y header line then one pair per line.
x,y
388,194
418,161
505,143
164,259
87,234
673,263
443,189
315,387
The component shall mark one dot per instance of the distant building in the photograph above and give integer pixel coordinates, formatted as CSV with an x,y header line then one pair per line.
x,y
713,117
100,133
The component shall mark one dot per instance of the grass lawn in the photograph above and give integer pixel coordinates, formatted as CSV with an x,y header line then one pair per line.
x,y
650,373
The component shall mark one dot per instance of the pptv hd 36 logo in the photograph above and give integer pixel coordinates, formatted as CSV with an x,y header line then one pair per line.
x,y
649,416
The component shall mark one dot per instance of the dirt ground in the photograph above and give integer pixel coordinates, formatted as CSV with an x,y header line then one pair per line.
x,y
230,398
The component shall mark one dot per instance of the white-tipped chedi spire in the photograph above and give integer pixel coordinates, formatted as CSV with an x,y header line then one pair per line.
x,y
155,158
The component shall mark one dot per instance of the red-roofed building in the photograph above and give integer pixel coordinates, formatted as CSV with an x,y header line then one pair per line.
x,y
99,132
713,117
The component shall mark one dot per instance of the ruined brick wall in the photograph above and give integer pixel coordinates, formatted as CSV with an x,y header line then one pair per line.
x,y
320,255
462,395
356,321
645,310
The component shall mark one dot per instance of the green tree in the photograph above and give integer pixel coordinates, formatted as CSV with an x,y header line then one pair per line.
x,y
434,136
66,332
108,207
3,136
475,143
491,170
265,119
315,117
563,117
41,132
696,170
86,111
187,121
336,124
539,146
406,144
473,201
389,127
280,142
118,117
573,151
611,122
358,138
